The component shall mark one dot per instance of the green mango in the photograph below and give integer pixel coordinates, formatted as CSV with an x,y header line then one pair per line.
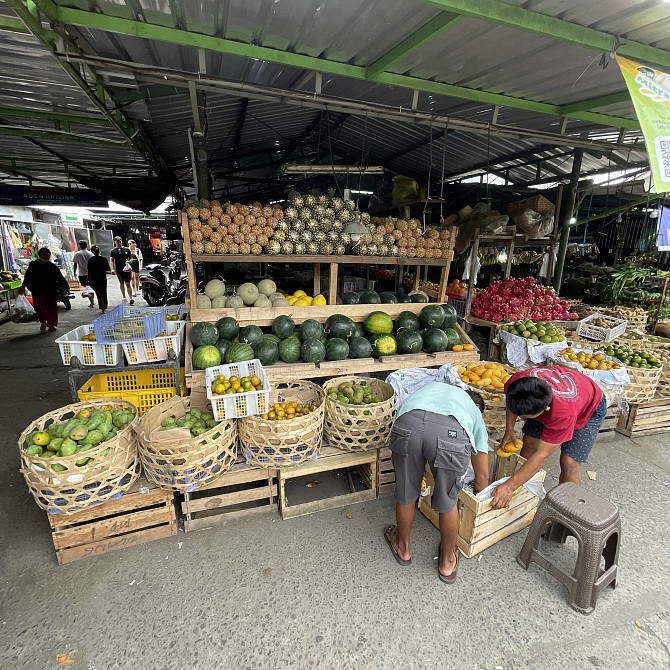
x,y
104,452
67,428
52,431
95,422
57,467
78,433
198,430
196,413
68,443
206,416
67,450
169,422
34,450
55,444
93,437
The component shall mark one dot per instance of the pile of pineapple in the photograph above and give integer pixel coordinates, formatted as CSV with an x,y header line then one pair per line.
x,y
231,228
397,237
313,224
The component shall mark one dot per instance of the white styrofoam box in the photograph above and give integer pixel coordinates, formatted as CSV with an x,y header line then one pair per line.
x,y
89,353
148,351
238,405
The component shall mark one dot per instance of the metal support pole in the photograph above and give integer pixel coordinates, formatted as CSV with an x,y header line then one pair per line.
x,y
566,216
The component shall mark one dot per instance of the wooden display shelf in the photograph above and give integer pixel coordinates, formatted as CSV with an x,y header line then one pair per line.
x,y
310,259
647,418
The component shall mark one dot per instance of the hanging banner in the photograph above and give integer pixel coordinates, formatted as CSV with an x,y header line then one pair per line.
x,y
650,92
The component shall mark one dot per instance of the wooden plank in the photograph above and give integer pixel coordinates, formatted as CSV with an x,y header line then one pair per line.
x,y
113,544
344,500
311,259
485,543
327,463
332,285
206,522
521,498
229,499
190,269
387,477
316,279
503,520
115,526
385,453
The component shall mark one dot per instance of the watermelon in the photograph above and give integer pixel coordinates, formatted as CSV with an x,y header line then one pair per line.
x,y
378,323
388,298
402,297
271,338
283,327
453,338
310,328
409,342
418,297
239,352
206,356
267,352
312,351
204,333
434,340
432,316
407,321
359,347
222,345
351,298
227,327
252,335
337,349
370,298
289,349
359,331
450,316
383,345
340,326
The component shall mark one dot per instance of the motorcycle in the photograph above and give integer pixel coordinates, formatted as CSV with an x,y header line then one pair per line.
x,y
165,283
65,297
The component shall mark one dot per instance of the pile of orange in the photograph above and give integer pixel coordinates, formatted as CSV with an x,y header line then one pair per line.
x,y
223,386
456,287
589,360
487,375
283,411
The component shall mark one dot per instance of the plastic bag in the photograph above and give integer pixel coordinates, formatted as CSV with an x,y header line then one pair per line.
x,y
87,291
409,380
535,225
23,311
532,486
404,187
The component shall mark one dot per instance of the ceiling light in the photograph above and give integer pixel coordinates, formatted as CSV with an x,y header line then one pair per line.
x,y
356,228
573,219
295,168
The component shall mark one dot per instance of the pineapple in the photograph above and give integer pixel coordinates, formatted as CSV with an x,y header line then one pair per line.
x,y
312,248
338,225
377,238
283,225
340,249
300,248
319,212
365,218
291,213
299,226
293,236
323,200
310,200
345,238
279,236
350,205
360,249
193,212
305,213
338,204
345,216
333,236
312,224
384,250
329,213
295,199
320,237
307,236
389,240
287,248
326,248
394,250
372,250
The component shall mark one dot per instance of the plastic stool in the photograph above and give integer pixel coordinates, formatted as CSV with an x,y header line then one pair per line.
x,y
569,509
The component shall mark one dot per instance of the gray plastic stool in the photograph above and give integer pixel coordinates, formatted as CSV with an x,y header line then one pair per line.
x,y
569,509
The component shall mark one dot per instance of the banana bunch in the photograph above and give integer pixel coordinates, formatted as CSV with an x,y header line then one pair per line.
x,y
532,257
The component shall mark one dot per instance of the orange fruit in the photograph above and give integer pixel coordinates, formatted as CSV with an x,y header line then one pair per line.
x,y
457,347
466,347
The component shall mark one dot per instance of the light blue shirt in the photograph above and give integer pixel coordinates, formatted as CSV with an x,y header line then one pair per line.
x,y
450,400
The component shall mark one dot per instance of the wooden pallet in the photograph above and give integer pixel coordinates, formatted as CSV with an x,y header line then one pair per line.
x,y
647,418
480,526
330,459
135,518
245,490
611,419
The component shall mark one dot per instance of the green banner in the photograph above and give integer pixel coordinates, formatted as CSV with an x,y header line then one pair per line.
x,y
650,92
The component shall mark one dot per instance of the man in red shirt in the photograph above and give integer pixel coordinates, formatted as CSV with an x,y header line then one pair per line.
x,y
562,408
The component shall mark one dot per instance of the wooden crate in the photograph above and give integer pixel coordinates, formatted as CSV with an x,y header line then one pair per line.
x,y
480,526
647,418
611,419
135,518
385,472
330,459
245,490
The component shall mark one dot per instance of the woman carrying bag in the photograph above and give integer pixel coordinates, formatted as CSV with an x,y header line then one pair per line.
x,y
43,279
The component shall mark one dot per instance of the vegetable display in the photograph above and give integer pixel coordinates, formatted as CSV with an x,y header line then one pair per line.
x,y
196,421
631,358
353,394
541,331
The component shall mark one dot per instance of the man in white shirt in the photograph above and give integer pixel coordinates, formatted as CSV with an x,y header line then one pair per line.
x,y
80,262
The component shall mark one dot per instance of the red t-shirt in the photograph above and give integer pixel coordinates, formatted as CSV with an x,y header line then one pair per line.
x,y
576,397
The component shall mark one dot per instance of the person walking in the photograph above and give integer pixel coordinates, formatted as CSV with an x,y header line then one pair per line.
x,y
136,263
119,258
443,425
562,408
98,267
43,279
80,262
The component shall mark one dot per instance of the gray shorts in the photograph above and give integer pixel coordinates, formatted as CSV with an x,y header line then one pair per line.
x,y
418,437
579,447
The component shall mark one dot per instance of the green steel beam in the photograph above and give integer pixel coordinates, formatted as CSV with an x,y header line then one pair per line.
x,y
616,210
417,39
149,31
13,131
593,103
12,25
65,118
511,16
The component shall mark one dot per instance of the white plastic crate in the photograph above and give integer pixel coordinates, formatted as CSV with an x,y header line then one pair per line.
x,y
89,353
238,405
148,351
179,310
125,323
598,333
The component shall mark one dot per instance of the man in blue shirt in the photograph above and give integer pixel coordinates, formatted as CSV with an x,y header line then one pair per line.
x,y
443,425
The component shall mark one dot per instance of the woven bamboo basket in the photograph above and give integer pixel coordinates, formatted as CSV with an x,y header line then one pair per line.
x,y
186,464
277,444
360,427
643,384
112,468
662,344
664,357
494,410
538,203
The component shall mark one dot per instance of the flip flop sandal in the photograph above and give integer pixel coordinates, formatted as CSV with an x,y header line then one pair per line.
x,y
389,540
450,579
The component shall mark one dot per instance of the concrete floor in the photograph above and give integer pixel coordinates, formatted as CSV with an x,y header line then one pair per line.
x,y
319,591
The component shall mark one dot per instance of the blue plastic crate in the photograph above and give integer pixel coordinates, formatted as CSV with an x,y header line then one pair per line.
x,y
126,323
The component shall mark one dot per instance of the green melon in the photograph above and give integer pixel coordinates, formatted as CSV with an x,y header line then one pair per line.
x,y
388,298
283,327
434,341
450,316
418,297
204,333
409,342
337,349
383,345
338,325
407,321
378,323
206,356
251,335
312,351
359,347
227,327
370,298
222,345
402,297
310,328
359,331
289,349
432,316
453,338
239,352
267,352
351,298
271,338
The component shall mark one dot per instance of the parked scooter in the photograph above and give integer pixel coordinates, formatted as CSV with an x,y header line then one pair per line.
x,y
165,283
65,297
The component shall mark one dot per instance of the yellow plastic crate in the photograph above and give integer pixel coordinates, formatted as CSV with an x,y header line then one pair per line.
x,y
143,388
